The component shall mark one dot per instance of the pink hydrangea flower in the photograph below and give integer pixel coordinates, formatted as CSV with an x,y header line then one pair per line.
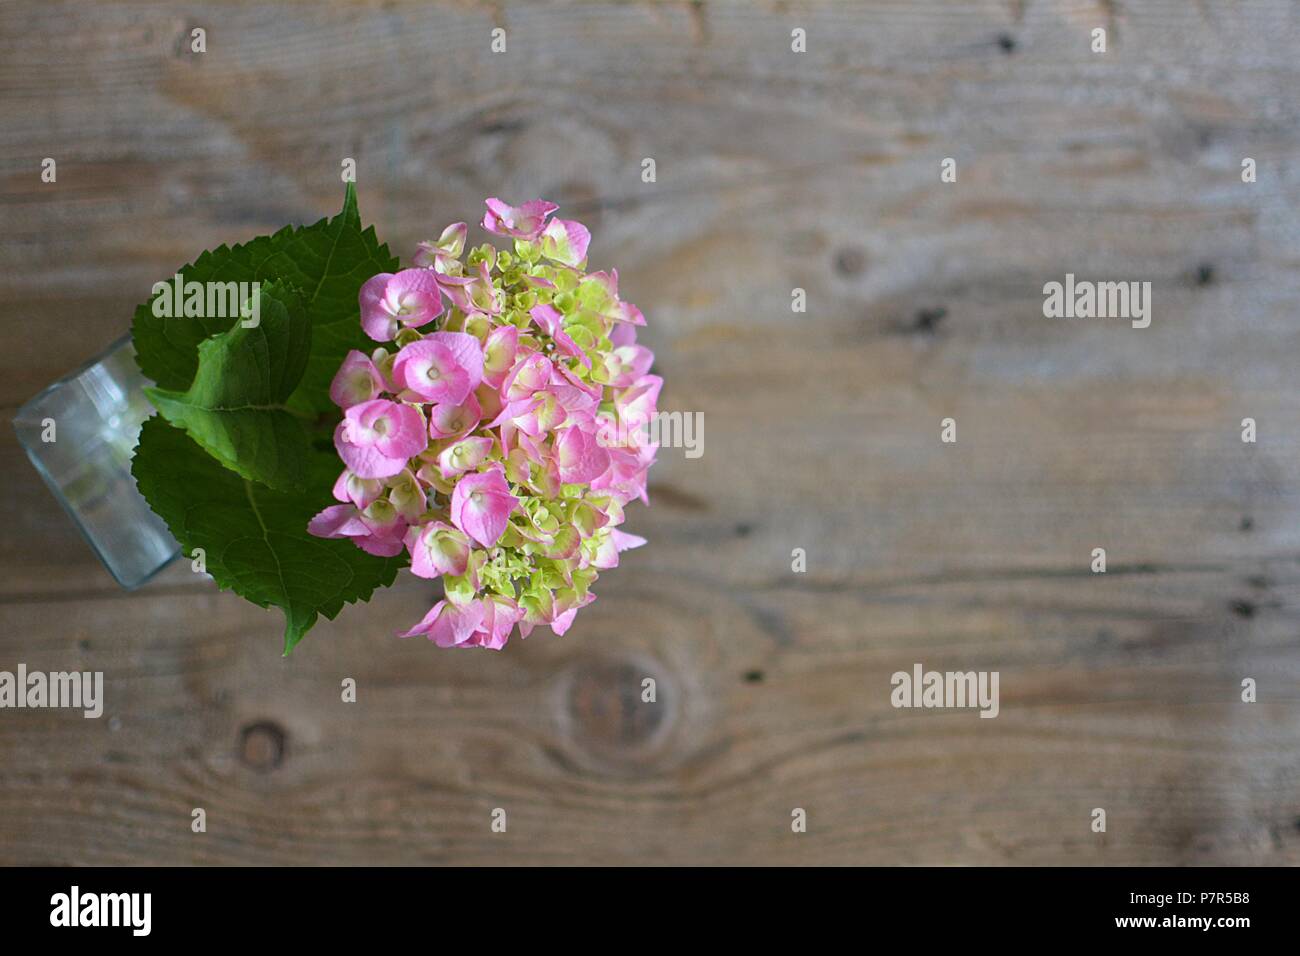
x,y
390,301
447,420
359,491
531,372
443,254
499,354
605,294
566,241
378,529
552,323
558,615
517,222
498,443
437,549
442,367
481,505
627,363
636,405
376,438
500,614
473,293
449,625
356,381
407,495
386,529
465,455
338,521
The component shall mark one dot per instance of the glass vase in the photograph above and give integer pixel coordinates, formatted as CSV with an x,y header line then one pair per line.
x,y
80,433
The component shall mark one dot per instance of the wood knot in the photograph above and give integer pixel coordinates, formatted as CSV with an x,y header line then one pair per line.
x,y
616,713
850,261
926,321
262,745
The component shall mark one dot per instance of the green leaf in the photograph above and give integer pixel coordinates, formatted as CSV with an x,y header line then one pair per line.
x,y
235,408
255,539
166,347
328,262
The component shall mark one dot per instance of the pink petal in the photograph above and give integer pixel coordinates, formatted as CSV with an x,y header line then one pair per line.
x,y
499,617
519,222
412,297
580,457
499,354
456,625
356,381
431,370
531,372
337,521
377,433
566,241
622,335
446,249
360,491
367,461
630,363
383,546
466,349
448,625
481,505
375,320
453,421
407,435
463,456
448,556
564,621
552,322
624,541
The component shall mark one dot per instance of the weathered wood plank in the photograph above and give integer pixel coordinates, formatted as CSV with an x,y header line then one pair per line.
x,y
1120,695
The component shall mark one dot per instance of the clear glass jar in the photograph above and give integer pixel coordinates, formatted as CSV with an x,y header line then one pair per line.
x,y
80,434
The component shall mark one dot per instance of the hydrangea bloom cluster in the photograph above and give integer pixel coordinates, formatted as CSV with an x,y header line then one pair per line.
x,y
499,429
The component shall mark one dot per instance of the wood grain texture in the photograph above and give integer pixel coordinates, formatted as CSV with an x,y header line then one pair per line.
x,y
775,170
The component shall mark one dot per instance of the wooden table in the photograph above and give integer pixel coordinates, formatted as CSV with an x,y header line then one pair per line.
x,y
775,170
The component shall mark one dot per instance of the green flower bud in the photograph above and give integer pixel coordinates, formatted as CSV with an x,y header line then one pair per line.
x,y
406,336
478,325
